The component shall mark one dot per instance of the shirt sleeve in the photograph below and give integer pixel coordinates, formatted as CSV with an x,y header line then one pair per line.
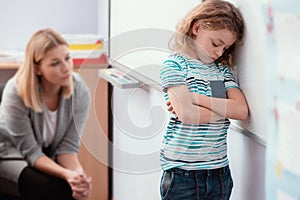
x,y
229,79
172,74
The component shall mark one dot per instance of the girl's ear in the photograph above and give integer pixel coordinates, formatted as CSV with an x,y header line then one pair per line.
x,y
196,28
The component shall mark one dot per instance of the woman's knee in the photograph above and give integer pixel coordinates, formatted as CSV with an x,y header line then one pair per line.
x,y
34,184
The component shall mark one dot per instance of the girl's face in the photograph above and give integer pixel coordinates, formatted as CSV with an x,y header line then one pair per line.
x,y
56,68
211,44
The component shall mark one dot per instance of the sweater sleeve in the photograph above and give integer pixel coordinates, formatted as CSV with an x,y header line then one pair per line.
x,y
81,100
17,118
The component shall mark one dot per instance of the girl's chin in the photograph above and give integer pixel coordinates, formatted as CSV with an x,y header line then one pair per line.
x,y
205,60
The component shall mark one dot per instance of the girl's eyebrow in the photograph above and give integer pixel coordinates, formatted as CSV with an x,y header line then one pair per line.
x,y
221,41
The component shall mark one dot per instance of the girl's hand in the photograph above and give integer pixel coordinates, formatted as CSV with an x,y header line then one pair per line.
x,y
170,107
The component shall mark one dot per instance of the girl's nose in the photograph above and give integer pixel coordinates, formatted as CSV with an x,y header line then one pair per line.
x,y
219,52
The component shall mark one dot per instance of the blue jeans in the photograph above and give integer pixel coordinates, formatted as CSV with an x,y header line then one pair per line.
x,y
179,184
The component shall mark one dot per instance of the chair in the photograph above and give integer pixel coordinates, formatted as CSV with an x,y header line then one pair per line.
x,y
7,186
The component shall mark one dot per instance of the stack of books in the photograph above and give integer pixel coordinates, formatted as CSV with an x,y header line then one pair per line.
x,y
11,56
86,49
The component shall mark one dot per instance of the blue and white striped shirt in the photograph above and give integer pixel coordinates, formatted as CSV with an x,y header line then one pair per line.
x,y
194,146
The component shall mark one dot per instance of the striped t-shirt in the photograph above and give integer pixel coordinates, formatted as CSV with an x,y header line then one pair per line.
x,y
194,146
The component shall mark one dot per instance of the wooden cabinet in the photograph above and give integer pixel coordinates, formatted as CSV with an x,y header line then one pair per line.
x,y
93,153
7,71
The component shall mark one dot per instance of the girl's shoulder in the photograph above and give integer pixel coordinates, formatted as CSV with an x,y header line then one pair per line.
x,y
185,60
178,59
223,68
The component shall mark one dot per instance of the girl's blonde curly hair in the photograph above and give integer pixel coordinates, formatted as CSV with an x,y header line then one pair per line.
x,y
212,15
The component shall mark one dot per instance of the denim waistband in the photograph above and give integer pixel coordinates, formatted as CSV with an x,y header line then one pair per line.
x,y
208,172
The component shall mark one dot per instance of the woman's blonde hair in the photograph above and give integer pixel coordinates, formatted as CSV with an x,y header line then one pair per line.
x,y
212,15
28,83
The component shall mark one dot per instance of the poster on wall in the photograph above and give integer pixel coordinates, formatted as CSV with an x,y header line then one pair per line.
x,y
283,152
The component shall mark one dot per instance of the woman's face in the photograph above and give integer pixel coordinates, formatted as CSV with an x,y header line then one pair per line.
x,y
56,67
211,44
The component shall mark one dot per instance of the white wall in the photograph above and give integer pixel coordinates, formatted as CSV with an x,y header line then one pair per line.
x,y
139,119
147,27
19,19
252,64
247,162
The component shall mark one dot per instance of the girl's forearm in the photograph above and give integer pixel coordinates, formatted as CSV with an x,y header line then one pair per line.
x,y
234,107
198,115
214,104
182,104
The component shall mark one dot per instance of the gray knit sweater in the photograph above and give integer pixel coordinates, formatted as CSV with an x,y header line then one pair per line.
x,y
21,127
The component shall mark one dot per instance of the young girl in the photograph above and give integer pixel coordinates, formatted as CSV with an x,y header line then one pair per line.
x,y
43,111
202,94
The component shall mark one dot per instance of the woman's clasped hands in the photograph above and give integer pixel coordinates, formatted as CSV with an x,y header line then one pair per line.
x,y
81,184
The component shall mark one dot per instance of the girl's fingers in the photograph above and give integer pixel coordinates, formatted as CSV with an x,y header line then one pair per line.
x,y
168,103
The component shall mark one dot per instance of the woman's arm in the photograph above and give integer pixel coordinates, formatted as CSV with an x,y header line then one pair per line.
x,y
67,168
234,107
18,123
187,112
66,151
81,184
48,166
81,101
69,161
